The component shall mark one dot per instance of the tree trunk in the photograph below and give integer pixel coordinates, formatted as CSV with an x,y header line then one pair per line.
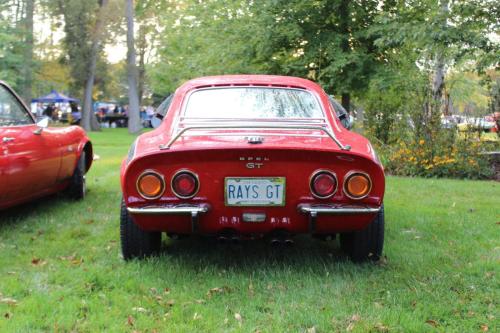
x,y
344,23
89,120
439,70
346,102
134,121
142,46
28,52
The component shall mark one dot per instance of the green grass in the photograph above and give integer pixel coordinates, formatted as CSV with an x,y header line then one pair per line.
x,y
61,270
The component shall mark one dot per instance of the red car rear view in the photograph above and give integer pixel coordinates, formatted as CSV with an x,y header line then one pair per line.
x,y
250,156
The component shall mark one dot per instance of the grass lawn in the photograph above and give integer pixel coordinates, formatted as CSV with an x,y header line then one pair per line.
x,y
61,270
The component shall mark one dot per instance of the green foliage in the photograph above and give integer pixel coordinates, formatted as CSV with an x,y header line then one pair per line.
x,y
394,99
461,32
208,38
327,41
78,18
12,43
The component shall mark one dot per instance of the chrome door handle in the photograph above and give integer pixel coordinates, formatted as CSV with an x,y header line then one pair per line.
x,y
6,139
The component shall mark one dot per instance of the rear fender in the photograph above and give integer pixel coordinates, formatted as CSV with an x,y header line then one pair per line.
x,y
212,166
85,146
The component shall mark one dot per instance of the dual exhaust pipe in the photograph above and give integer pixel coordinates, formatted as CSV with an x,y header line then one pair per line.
x,y
276,240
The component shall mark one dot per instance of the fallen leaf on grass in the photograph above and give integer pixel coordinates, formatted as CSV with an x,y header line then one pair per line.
x,y
238,317
432,322
69,258
311,330
196,316
139,309
170,302
7,315
214,291
382,261
8,300
355,317
38,262
484,328
130,321
381,327
77,262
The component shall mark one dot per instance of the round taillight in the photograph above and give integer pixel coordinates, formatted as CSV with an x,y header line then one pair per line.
x,y
185,184
150,185
323,184
357,185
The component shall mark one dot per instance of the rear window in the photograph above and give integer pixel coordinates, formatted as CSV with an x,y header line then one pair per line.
x,y
252,102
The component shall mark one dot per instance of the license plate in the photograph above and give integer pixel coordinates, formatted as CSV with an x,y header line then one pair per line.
x,y
249,191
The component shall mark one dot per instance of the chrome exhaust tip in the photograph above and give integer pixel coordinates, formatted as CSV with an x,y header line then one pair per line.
x,y
275,242
289,242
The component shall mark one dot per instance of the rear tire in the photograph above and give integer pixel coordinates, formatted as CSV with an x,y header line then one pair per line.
x,y
136,243
366,244
77,187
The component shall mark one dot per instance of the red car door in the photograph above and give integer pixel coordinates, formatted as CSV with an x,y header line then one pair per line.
x,y
30,157
3,167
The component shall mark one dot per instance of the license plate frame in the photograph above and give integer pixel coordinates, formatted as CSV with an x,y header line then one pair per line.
x,y
262,202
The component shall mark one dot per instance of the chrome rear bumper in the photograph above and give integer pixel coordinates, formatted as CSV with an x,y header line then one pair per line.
x,y
170,210
337,209
314,210
193,211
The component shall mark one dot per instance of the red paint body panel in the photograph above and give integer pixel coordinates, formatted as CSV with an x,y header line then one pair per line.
x,y
216,154
33,165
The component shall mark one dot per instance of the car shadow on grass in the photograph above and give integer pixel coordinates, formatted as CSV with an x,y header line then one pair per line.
x,y
306,254
35,209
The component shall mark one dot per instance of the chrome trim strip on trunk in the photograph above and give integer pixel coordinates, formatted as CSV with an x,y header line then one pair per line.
x,y
337,209
192,210
254,126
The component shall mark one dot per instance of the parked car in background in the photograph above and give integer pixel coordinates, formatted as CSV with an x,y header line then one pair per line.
x,y
36,160
240,157
477,124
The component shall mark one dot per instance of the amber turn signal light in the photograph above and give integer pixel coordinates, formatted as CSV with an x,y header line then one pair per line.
x,y
150,185
357,185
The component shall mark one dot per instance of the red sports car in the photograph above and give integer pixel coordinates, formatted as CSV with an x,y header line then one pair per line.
x,y
36,160
248,156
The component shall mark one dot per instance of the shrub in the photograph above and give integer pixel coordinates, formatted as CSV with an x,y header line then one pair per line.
x,y
458,159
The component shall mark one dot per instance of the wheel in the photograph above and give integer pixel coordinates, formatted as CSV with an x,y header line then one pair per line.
x,y
77,187
136,243
366,244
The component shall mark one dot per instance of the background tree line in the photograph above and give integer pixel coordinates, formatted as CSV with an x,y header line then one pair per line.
x,y
386,60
